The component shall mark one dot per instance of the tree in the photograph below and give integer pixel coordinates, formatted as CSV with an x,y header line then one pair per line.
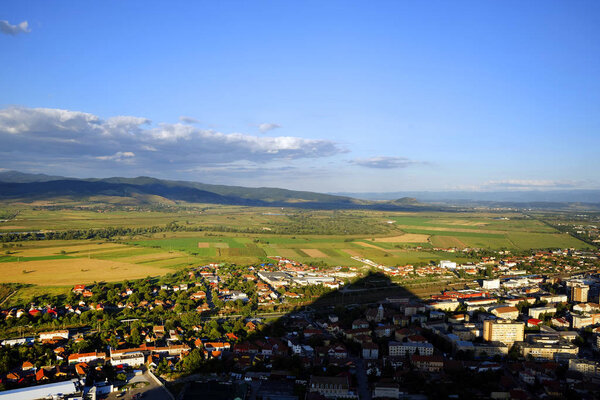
x,y
135,337
193,361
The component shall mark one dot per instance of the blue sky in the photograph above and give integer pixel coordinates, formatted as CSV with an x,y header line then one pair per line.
x,y
324,96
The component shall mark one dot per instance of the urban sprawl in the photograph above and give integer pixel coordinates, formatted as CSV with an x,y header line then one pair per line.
x,y
520,327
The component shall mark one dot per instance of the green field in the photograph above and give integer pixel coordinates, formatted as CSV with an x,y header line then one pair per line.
x,y
332,249
245,235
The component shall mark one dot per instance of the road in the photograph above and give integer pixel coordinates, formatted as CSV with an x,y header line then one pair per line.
x,y
361,376
151,391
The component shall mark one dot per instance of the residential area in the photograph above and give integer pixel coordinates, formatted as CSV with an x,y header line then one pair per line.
x,y
522,327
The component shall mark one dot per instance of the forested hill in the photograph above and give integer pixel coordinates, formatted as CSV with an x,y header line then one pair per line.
x,y
28,187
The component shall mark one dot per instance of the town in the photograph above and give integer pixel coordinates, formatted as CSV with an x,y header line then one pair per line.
x,y
522,326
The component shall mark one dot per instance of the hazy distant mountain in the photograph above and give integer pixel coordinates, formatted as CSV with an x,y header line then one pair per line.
x,y
20,186
263,193
16,185
21,177
461,197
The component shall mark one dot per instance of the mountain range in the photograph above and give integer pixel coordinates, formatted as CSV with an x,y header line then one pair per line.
x,y
19,186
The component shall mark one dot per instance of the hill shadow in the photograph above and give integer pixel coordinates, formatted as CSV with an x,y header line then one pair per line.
x,y
341,338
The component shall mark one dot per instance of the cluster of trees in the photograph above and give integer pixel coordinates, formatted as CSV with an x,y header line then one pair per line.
x,y
13,356
103,233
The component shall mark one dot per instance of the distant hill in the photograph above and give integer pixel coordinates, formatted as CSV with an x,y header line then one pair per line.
x,y
143,190
266,194
19,186
481,197
22,177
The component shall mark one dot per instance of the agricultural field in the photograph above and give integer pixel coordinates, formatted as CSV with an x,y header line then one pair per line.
x,y
330,250
244,235
38,218
490,231
52,264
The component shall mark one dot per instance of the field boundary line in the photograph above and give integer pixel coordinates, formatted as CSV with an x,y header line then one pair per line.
x,y
8,297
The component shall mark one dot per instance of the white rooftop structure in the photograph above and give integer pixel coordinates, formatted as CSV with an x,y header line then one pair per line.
x,y
51,390
447,264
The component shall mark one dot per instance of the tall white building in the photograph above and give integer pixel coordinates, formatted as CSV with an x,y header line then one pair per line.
x,y
491,284
447,264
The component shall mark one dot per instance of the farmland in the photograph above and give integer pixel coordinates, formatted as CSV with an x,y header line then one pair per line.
x,y
512,231
52,264
245,235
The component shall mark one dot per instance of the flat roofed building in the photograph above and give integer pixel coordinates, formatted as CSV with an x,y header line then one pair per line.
x,y
409,348
331,387
547,351
447,264
536,312
504,331
581,321
76,358
506,312
586,367
579,293
427,363
554,298
41,391
386,390
274,278
130,359
491,284
54,335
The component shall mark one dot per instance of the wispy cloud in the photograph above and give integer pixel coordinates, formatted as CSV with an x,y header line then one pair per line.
x,y
528,184
266,127
188,120
384,162
54,135
515,185
119,156
9,29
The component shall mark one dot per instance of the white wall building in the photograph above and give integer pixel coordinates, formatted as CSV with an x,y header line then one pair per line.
x,y
491,284
447,264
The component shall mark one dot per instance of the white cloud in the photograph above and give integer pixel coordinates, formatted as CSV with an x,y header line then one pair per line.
x,y
55,135
383,162
118,156
266,127
8,29
527,184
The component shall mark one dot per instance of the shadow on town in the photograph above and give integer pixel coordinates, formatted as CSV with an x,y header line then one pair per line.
x,y
338,345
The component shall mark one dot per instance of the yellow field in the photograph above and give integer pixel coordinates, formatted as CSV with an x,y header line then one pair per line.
x,y
152,257
171,261
370,245
353,253
203,245
463,222
75,271
447,241
406,238
287,253
69,248
315,253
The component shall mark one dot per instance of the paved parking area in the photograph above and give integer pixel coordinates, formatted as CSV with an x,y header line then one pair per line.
x,y
151,391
